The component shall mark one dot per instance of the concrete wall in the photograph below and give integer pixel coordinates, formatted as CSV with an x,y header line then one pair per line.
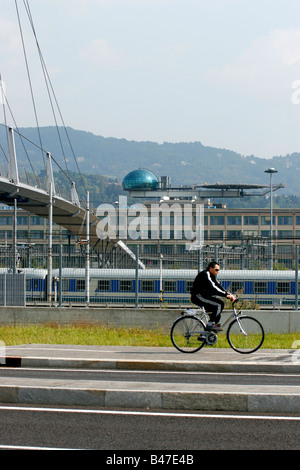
x,y
273,320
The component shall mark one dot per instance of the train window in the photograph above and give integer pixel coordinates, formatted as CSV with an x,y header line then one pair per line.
x,y
237,286
80,285
103,285
147,286
283,288
188,286
125,286
33,285
260,287
170,286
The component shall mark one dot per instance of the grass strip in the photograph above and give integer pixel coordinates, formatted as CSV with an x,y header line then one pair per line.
x,y
90,334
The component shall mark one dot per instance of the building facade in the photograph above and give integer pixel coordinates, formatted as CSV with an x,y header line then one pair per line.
x,y
223,228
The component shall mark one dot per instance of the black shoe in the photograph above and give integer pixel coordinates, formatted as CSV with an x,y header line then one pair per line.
x,y
211,326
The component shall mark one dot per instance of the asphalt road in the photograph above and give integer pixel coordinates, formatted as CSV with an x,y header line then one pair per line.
x,y
157,376
27,427
42,427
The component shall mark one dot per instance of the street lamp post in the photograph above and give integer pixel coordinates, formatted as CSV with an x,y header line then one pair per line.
x,y
271,171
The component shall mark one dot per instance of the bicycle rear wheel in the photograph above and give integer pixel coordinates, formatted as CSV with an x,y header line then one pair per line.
x,y
245,335
187,334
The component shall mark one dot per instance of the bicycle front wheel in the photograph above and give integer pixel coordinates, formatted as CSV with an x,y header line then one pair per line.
x,y
187,334
245,335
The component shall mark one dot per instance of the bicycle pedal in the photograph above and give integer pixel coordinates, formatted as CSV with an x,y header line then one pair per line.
x,y
201,337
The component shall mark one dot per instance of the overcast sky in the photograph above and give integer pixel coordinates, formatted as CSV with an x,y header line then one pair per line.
x,y
222,72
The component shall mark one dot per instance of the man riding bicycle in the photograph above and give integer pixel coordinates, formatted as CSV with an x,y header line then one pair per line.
x,y
204,293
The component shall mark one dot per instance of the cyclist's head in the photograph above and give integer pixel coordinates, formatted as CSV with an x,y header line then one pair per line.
x,y
214,265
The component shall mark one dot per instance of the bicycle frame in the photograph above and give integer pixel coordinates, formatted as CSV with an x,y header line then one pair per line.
x,y
202,314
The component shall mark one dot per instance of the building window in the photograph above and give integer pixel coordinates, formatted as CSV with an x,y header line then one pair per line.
x,y
260,287
285,220
234,234
234,220
189,285
285,233
37,234
265,220
125,286
237,286
5,234
36,220
150,249
251,233
170,286
167,249
285,249
216,234
6,220
250,219
80,285
217,220
180,249
22,234
22,220
283,287
147,286
103,285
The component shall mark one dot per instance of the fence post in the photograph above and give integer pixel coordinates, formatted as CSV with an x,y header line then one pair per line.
x,y
137,276
49,287
87,251
296,277
15,254
60,278
160,280
4,289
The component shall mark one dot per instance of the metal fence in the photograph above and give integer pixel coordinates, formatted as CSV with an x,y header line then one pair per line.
x,y
12,289
159,275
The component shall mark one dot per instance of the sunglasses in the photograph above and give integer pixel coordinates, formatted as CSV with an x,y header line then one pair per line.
x,y
216,269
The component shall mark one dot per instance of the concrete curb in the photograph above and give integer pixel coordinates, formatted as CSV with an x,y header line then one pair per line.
x,y
152,365
165,400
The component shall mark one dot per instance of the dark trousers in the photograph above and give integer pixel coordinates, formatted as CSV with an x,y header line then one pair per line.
x,y
212,305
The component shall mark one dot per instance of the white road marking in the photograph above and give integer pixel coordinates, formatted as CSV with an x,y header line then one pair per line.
x,y
9,447
148,413
159,372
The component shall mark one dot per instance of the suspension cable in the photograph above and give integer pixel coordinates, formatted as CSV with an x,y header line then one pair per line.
x,y
29,78
45,152
49,84
24,148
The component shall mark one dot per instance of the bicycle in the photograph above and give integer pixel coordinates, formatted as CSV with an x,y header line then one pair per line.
x,y
189,332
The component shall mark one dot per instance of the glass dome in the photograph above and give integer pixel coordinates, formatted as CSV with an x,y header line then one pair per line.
x,y
140,179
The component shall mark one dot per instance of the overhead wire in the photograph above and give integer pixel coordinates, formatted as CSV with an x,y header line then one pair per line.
x,y
49,84
46,78
29,77
4,113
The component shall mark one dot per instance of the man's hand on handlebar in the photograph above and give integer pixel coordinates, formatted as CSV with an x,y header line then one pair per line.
x,y
231,297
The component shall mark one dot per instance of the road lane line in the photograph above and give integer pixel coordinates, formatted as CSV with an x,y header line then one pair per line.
x,y
149,413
